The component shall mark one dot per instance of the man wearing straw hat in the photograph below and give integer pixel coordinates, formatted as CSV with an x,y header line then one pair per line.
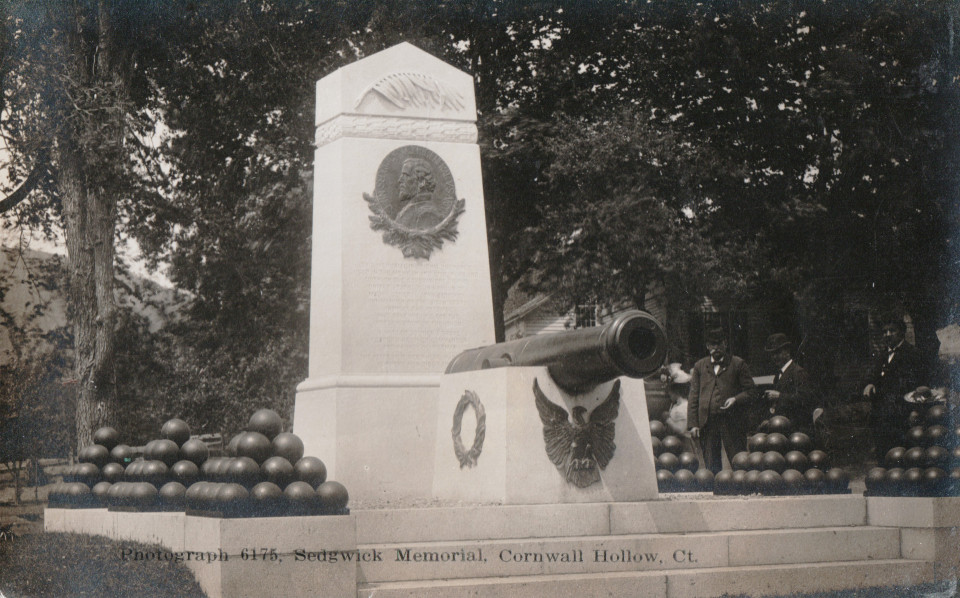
x,y
720,388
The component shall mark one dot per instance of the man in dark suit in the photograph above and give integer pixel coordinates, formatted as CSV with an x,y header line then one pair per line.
x,y
895,373
721,388
793,394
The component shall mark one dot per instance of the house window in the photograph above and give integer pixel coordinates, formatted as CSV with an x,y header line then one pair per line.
x,y
586,316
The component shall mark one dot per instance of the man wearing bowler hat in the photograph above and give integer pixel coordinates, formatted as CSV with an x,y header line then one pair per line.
x,y
793,395
721,388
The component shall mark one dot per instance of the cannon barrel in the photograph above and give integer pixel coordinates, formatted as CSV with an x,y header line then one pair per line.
x,y
634,345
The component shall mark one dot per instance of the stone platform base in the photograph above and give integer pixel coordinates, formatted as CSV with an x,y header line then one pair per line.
x,y
680,546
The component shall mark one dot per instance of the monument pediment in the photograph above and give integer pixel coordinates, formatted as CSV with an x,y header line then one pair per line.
x,y
402,81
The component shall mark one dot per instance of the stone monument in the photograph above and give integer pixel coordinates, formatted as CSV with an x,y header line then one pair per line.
x,y
400,273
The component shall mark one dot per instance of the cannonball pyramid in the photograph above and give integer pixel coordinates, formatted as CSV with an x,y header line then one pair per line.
x,y
781,461
929,465
678,470
264,474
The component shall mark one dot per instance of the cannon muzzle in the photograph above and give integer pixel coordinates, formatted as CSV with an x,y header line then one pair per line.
x,y
633,345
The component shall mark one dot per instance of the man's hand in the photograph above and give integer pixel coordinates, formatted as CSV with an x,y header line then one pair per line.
x,y
771,395
869,390
728,403
694,432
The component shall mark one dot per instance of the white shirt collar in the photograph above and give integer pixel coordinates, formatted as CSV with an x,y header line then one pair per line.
x,y
785,366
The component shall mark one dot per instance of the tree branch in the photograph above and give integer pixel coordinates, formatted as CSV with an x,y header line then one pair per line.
x,y
21,192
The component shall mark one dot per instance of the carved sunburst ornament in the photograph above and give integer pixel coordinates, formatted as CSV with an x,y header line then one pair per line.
x,y
414,202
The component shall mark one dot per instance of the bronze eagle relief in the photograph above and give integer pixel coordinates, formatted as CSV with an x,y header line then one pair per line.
x,y
581,448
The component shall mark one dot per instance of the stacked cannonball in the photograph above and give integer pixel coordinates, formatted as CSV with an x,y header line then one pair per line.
x,y
780,461
100,464
264,474
678,470
929,465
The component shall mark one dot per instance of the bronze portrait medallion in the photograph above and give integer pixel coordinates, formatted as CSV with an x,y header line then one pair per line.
x,y
414,201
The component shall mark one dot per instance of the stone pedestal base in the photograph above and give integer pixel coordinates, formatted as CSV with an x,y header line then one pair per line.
x,y
512,466
375,434
928,529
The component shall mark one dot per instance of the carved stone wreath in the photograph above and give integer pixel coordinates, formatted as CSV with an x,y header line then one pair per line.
x,y
417,221
469,458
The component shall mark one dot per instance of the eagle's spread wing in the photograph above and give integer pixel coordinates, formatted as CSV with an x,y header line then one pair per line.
x,y
557,431
601,427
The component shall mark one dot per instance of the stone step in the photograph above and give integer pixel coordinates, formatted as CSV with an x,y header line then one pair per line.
x,y
622,553
676,514
759,580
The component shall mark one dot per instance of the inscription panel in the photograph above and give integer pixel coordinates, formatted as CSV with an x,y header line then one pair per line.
x,y
421,313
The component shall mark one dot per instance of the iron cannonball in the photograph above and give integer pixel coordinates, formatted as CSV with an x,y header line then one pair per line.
x,y
88,473
148,450
193,490
68,475
836,480
173,494
740,461
819,460
916,436
912,479
797,460
107,437
289,446
156,473
938,414
334,497
167,451
130,472
813,480
894,481
751,481
266,499
775,461
266,421
310,470
122,454
231,497
665,480
144,495
770,482
757,442
777,441
936,435
955,455
672,444
953,482
934,481
655,443
792,481
98,454
657,429
780,424
937,456
113,493
231,449
244,471
83,454
254,445
915,418
914,458
278,470
208,496
100,490
208,467
875,479
738,481
302,497
185,472
221,469
755,461
723,482
176,430
112,472
78,493
667,461
956,435
894,457
689,461
801,442
194,450
705,479
682,478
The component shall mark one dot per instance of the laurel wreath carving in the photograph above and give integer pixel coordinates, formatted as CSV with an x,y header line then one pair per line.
x,y
469,458
412,242
415,90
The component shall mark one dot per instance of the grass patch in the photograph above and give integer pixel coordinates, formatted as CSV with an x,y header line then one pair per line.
x,y
58,565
